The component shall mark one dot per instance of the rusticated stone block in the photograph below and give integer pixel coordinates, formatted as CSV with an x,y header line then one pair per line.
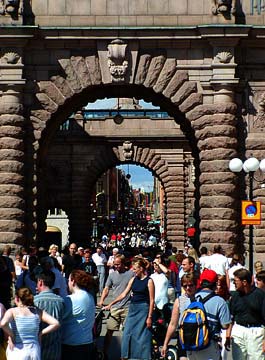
x,y
49,88
218,189
11,178
144,155
12,238
41,115
214,166
217,142
218,201
159,164
46,102
218,119
220,154
11,143
62,85
149,157
11,166
185,91
218,225
94,69
11,189
72,77
11,131
216,130
155,160
12,214
11,154
218,238
175,83
12,120
211,109
12,202
218,178
260,248
218,213
154,70
11,225
166,74
161,170
81,70
10,108
142,69
191,102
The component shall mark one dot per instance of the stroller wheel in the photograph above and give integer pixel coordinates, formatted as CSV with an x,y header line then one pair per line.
x,y
171,353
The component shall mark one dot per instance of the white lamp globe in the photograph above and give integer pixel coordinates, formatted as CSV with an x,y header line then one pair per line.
x,y
262,165
235,165
251,164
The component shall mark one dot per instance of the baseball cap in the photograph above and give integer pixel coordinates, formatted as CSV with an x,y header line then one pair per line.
x,y
208,275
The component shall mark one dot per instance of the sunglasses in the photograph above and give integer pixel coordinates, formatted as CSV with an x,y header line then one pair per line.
x,y
188,285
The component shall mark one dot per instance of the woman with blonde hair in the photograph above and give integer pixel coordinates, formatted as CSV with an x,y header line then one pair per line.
x,y
137,337
21,324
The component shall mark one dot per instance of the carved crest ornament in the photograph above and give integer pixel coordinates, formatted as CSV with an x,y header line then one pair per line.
x,y
223,7
117,60
10,58
127,149
224,57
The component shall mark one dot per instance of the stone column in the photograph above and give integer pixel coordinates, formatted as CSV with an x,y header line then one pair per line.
x,y
217,143
12,192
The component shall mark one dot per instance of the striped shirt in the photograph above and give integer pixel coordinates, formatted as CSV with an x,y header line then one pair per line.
x,y
53,305
26,328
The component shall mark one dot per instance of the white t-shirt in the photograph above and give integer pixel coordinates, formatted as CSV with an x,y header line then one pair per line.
x,y
219,263
204,262
99,259
161,286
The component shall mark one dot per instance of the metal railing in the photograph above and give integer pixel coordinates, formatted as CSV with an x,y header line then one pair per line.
x,y
257,6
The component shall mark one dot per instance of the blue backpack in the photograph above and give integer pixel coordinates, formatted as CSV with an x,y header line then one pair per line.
x,y
194,329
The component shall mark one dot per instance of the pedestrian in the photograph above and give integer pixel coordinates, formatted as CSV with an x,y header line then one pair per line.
x,y
21,324
111,259
247,306
218,262
71,261
2,336
137,337
54,306
218,317
117,281
78,318
100,260
5,283
260,280
160,278
188,283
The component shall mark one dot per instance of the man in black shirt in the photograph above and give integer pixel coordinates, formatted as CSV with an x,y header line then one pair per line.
x,y
247,307
71,261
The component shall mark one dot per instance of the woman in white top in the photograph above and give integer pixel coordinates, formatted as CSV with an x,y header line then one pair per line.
x,y
21,324
160,279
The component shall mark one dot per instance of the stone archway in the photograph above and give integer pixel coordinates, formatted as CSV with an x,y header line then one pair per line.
x,y
209,127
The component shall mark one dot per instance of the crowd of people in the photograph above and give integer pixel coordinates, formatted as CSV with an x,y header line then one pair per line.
x,y
48,300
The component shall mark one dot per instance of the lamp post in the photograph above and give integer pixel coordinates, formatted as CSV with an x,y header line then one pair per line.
x,y
249,166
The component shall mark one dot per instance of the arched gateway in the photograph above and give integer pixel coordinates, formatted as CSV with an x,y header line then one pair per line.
x,y
121,68
201,61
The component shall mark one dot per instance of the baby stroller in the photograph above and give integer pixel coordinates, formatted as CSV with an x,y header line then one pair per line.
x,y
99,355
160,323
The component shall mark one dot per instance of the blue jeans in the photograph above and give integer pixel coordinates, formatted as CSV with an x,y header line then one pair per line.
x,y
101,275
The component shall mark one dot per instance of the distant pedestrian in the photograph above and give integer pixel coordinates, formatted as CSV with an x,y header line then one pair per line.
x,y
100,260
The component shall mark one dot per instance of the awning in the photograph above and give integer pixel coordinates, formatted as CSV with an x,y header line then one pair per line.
x,y
52,229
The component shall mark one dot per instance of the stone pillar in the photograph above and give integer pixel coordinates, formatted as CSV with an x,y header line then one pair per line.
x,y
12,192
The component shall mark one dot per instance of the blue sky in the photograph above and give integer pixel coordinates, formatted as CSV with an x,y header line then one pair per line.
x,y
140,177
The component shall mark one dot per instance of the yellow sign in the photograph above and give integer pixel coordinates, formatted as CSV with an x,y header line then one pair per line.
x,y
251,212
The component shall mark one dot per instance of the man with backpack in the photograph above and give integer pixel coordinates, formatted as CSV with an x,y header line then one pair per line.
x,y
207,304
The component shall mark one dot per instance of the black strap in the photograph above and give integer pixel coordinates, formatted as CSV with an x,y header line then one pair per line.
x,y
206,298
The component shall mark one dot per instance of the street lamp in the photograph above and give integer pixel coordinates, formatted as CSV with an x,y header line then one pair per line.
x,y
249,166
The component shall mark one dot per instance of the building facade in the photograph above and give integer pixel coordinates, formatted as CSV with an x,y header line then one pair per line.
x,y
201,61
